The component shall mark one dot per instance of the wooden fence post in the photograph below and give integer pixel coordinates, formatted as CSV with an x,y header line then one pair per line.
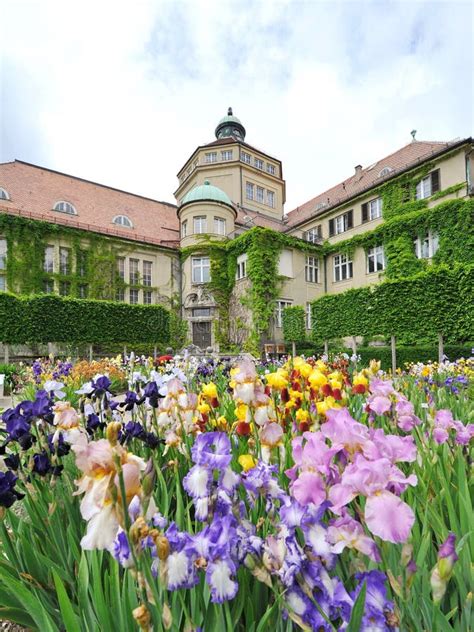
x,y
440,348
91,352
354,345
293,349
6,353
326,347
394,355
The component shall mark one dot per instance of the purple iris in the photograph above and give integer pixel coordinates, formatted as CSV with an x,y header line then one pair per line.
x,y
59,447
41,463
212,449
377,606
8,493
121,550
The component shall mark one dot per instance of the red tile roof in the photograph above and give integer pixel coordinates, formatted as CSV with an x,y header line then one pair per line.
x,y
364,179
34,190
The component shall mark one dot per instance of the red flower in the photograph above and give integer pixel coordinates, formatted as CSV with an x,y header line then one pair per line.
x,y
242,428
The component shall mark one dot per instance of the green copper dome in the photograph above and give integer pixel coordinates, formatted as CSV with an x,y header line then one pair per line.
x,y
230,125
206,192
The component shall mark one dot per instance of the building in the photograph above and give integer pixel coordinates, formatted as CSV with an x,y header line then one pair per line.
x,y
226,257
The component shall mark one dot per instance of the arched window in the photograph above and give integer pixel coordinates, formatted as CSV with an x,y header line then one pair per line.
x,y
65,207
4,194
385,171
122,220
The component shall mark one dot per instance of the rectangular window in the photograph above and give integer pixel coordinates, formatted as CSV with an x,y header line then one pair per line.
x,y
260,194
375,259
201,312
48,265
64,261
3,284
312,270
184,228
280,306
271,199
245,157
372,210
121,267
64,288
241,271
201,269
427,186
83,291
258,163
147,272
226,154
426,245
133,297
3,254
308,316
341,223
211,157
270,169
219,226
314,235
249,190
134,274
200,225
81,263
147,297
48,286
120,294
342,268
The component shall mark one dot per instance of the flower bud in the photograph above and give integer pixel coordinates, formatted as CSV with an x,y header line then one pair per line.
x,y
112,431
149,478
142,617
167,617
162,547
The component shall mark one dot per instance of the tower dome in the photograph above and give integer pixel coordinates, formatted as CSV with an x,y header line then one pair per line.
x,y
230,125
206,193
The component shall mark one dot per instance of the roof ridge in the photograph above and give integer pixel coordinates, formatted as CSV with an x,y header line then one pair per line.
x,y
99,184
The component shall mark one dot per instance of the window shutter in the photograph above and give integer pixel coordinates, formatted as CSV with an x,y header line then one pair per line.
x,y
365,212
305,235
435,181
350,222
320,232
331,227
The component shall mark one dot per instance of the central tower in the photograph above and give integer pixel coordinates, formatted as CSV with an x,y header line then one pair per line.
x,y
252,179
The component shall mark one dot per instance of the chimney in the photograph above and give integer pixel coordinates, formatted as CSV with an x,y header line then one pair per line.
x,y
358,169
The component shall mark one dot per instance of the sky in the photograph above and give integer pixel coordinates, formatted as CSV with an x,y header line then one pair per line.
x,y
122,93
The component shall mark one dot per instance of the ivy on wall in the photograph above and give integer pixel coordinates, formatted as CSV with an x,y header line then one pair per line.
x,y
294,329
50,318
263,247
415,310
27,240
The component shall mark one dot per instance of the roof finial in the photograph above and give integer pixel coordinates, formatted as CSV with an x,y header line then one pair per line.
x,y
229,112
413,134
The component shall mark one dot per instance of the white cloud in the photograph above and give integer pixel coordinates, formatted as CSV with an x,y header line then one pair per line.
x,y
122,92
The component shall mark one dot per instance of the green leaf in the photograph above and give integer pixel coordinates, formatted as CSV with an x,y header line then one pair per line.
x,y
69,617
358,611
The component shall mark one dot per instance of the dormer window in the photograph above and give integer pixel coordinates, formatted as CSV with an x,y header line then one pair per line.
x,y
385,171
4,194
65,207
122,220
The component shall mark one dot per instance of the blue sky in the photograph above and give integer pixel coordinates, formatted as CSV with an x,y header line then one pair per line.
x,y
123,92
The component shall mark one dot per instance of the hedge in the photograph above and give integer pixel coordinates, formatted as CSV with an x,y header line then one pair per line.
x,y
294,323
414,310
51,318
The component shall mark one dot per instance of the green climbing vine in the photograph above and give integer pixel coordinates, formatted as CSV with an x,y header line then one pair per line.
x,y
93,269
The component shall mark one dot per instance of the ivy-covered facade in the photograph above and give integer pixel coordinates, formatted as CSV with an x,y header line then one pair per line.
x,y
226,259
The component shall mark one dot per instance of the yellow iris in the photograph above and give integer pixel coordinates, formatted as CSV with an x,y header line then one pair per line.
x,y
209,391
317,379
247,462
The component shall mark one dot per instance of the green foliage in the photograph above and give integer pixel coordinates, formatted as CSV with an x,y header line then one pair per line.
x,y
414,310
27,240
178,331
294,329
50,318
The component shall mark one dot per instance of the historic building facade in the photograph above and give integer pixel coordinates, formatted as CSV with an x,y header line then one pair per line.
x,y
206,256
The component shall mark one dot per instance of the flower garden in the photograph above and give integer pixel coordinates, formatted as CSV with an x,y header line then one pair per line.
x,y
312,494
